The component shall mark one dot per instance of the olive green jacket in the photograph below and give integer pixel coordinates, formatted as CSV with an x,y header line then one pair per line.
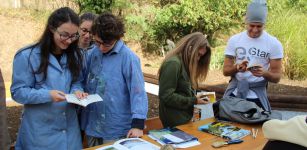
x,y
175,93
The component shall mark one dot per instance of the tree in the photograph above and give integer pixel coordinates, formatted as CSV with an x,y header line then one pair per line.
x,y
96,6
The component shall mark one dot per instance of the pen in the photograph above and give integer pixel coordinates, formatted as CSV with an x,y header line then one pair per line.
x,y
254,132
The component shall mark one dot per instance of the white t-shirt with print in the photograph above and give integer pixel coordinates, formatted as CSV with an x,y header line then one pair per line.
x,y
257,51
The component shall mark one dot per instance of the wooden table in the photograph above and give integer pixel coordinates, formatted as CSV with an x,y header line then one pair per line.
x,y
207,139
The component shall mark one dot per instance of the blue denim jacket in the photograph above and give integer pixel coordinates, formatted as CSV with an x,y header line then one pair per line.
x,y
117,77
45,124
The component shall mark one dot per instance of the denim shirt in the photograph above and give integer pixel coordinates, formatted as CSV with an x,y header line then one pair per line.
x,y
45,124
117,77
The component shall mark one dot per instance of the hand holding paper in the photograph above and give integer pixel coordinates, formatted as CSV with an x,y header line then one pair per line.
x,y
71,98
256,70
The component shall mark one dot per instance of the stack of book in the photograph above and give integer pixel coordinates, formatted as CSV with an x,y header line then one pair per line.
x,y
174,136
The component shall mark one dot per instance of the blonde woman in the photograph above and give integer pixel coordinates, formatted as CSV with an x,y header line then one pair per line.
x,y
180,73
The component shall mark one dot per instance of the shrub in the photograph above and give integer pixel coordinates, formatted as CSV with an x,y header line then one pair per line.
x,y
217,58
178,19
96,6
290,28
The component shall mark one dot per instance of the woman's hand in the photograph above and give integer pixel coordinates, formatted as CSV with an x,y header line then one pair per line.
x,y
202,99
135,133
81,95
57,96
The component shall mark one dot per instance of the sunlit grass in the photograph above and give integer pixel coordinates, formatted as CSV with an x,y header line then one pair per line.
x,y
291,29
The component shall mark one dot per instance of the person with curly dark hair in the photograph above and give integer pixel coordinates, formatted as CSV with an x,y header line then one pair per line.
x,y
114,72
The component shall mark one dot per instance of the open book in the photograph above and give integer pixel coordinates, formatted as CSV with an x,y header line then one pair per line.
x,y
174,136
206,110
71,98
131,144
224,130
209,96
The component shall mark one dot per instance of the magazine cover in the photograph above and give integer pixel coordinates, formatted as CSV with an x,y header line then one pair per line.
x,y
131,144
224,130
174,136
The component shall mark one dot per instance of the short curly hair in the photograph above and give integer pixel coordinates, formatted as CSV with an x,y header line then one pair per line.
x,y
108,27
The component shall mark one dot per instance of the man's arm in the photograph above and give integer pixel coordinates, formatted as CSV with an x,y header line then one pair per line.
x,y
275,71
230,68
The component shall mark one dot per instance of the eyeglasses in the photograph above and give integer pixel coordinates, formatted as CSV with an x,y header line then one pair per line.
x,y
85,31
104,43
66,36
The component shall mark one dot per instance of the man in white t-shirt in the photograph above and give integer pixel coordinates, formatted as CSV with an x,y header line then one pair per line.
x,y
253,58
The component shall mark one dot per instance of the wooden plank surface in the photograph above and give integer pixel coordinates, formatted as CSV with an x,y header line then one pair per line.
x,y
207,139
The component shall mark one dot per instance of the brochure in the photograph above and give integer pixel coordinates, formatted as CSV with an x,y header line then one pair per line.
x,y
71,98
174,136
131,144
224,130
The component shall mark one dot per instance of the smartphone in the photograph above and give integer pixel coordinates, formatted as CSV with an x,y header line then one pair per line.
x,y
253,68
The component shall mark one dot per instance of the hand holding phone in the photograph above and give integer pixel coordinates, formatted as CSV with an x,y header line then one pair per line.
x,y
253,68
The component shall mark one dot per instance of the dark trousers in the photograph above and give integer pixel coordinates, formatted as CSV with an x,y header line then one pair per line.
x,y
281,145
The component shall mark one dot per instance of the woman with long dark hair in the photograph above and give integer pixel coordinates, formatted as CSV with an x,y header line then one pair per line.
x,y
42,74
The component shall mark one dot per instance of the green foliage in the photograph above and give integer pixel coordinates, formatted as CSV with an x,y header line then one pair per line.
x,y
176,20
217,58
166,2
99,6
139,26
301,5
290,28
96,6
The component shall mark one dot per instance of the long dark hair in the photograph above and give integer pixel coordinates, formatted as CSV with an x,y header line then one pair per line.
x,y
47,45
